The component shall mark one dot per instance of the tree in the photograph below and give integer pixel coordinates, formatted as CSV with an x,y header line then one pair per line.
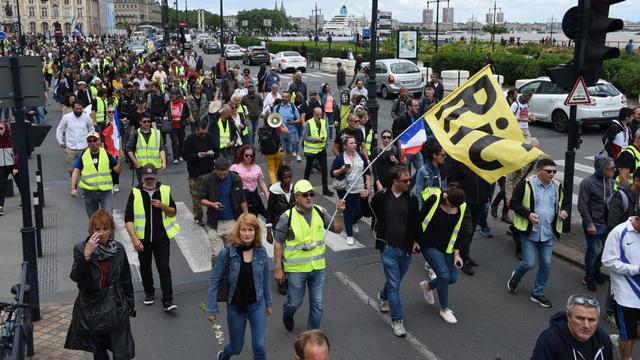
x,y
210,19
254,19
494,29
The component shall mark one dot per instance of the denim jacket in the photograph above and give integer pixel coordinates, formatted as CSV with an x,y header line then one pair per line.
x,y
428,176
260,264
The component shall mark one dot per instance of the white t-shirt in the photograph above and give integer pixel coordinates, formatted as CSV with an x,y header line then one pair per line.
x,y
622,271
521,111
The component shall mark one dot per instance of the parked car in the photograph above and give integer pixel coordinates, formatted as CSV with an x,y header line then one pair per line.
x,y
137,48
233,51
211,47
391,74
256,55
547,103
289,60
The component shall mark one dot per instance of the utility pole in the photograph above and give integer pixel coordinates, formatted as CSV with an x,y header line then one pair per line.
x,y
221,31
437,18
165,22
20,39
372,103
316,11
186,14
177,19
551,31
493,30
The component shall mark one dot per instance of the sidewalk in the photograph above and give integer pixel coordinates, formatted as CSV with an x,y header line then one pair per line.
x,y
51,332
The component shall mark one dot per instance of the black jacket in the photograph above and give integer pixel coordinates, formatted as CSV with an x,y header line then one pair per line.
x,y
197,166
379,205
277,203
153,219
87,275
184,116
476,190
210,190
557,343
438,91
212,120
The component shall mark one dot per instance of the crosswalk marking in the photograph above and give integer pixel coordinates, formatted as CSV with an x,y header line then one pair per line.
x,y
576,179
122,236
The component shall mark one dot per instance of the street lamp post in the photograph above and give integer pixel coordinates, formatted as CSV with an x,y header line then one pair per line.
x,y
20,39
493,31
437,19
372,103
221,31
267,25
316,11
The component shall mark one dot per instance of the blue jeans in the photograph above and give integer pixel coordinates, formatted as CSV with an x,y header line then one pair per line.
x,y
447,273
352,211
237,322
94,200
290,141
543,250
40,117
395,262
295,295
417,162
593,255
253,129
329,125
484,224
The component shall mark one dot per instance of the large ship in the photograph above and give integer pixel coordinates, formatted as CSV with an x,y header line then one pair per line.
x,y
344,24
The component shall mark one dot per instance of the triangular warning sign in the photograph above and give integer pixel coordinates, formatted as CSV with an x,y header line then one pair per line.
x,y
579,94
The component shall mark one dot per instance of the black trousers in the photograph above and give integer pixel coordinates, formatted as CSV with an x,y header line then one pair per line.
x,y
322,158
5,171
158,249
177,142
469,224
102,342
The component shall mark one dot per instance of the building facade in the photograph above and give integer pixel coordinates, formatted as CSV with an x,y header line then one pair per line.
x,y
138,12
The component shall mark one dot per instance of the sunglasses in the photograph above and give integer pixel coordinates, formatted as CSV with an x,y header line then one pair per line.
x,y
145,121
552,172
109,112
386,137
309,194
585,300
92,141
249,156
406,181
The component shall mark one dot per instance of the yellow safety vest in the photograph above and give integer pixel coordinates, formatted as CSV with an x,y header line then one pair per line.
x,y
149,152
636,156
47,68
179,69
345,110
305,253
245,113
94,91
313,147
101,110
170,223
522,223
224,134
96,179
428,192
368,138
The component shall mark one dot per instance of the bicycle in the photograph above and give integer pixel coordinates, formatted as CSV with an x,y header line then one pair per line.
x,y
15,318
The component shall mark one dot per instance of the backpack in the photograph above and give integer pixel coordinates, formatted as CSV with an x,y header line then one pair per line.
x,y
267,140
625,200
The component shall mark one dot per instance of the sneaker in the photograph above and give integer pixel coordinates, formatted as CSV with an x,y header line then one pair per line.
x,y
383,305
199,222
116,188
615,341
287,320
175,161
398,328
432,274
494,211
467,269
486,233
351,241
327,192
600,278
512,284
356,228
428,293
1,210
589,283
471,262
506,219
169,306
148,299
181,158
218,357
298,158
540,299
448,316
610,319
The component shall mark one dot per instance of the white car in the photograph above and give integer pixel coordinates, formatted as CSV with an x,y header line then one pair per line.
x,y
547,103
289,60
233,52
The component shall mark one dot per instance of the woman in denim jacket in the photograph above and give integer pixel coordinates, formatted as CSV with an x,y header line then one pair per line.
x,y
249,296
430,174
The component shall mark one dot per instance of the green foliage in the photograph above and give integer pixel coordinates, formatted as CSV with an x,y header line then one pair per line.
x,y
455,59
491,29
210,19
254,18
624,73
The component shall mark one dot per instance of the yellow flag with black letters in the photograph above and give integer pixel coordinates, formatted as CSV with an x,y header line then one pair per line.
x,y
475,126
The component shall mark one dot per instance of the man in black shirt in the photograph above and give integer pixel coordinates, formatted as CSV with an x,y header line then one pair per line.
x,y
352,129
199,155
397,227
306,110
627,162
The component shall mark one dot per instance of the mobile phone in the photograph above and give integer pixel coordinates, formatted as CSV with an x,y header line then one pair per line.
x,y
347,165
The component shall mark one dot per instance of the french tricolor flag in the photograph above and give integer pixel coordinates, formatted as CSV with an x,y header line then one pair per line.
x,y
111,135
413,138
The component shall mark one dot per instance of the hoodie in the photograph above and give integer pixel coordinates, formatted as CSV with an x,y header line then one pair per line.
x,y
278,202
557,343
8,155
594,194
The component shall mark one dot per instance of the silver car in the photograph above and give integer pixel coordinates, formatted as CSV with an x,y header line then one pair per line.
x,y
233,52
391,74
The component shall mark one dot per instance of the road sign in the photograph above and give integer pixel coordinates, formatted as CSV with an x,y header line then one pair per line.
x,y
2,35
183,24
579,94
57,32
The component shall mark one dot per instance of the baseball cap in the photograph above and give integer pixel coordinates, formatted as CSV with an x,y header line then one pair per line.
x,y
303,186
221,164
93,134
175,91
313,92
149,171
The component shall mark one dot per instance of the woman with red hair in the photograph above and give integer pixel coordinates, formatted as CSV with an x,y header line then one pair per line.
x,y
8,161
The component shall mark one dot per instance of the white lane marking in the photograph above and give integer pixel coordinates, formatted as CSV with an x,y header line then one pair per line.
x,y
592,157
192,240
576,179
421,348
313,75
578,166
122,236
336,242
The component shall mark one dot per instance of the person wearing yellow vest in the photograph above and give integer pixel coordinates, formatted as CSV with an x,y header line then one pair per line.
x,y
240,116
315,135
47,70
99,109
540,211
146,146
396,233
299,251
367,130
441,215
93,168
150,218
223,131
627,162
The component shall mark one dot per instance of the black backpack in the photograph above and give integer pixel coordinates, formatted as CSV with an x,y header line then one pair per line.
x,y
268,140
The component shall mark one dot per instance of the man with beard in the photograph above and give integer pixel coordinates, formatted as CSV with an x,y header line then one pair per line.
x,y
72,133
199,155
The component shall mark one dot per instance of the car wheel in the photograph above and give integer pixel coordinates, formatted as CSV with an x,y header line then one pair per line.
x,y
304,70
385,92
559,120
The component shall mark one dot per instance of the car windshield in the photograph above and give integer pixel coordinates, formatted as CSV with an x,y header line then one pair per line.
x,y
290,53
233,47
258,49
603,90
404,68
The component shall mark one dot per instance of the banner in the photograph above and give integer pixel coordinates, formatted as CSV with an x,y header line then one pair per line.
x,y
152,44
475,126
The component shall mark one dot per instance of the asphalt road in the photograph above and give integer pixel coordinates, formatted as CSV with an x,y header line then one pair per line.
x,y
492,323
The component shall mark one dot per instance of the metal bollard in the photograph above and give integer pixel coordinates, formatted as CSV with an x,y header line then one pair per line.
x,y
37,209
41,179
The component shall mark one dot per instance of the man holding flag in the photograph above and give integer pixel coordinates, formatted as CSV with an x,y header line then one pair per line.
x,y
413,138
111,139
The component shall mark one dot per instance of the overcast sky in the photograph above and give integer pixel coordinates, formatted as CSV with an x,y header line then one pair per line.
x,y
411,10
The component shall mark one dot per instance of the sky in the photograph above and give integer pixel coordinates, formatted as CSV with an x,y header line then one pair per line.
x,y
411,10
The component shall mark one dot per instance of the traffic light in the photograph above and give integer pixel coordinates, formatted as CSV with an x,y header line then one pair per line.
x,y
587,25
